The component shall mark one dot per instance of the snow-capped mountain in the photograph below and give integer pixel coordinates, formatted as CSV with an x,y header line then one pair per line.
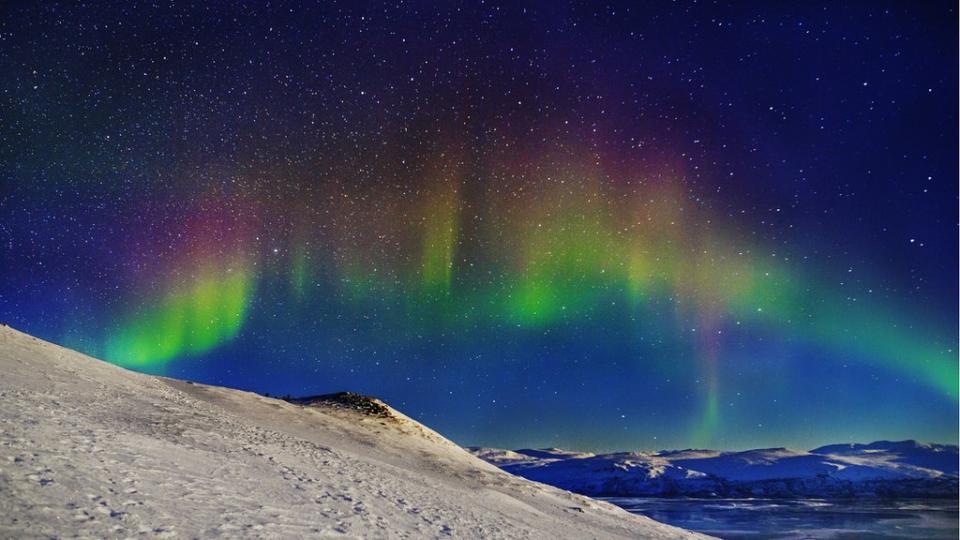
x,y
91,450
883,468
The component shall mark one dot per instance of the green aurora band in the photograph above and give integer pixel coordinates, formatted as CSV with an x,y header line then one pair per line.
x,y
552,254
184,321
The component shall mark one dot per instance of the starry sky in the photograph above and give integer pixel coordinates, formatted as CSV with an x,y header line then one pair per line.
x,y
587,225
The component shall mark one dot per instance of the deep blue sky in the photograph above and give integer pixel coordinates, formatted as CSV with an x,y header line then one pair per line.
x,y
588,225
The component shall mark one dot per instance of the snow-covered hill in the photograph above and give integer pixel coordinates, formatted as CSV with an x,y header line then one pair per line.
x,y
897,469
88,449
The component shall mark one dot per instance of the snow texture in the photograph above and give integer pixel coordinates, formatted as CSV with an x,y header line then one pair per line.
x,y
88,449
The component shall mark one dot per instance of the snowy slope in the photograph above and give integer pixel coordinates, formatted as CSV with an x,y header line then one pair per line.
x,y
90,449
900,469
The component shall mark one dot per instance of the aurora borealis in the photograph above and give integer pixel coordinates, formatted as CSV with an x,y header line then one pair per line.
x,y
589,226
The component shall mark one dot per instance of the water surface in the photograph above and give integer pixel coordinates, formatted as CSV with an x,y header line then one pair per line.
x,y
929,519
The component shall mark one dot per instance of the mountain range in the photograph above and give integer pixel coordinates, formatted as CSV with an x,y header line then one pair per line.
x,y
881,469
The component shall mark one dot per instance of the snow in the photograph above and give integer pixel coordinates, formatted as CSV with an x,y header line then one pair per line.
x,y
89,449
883,468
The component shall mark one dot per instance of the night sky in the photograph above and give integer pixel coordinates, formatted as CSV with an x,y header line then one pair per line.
x,y
586,225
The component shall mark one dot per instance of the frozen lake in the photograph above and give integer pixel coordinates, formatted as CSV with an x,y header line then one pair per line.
x,y
807,518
